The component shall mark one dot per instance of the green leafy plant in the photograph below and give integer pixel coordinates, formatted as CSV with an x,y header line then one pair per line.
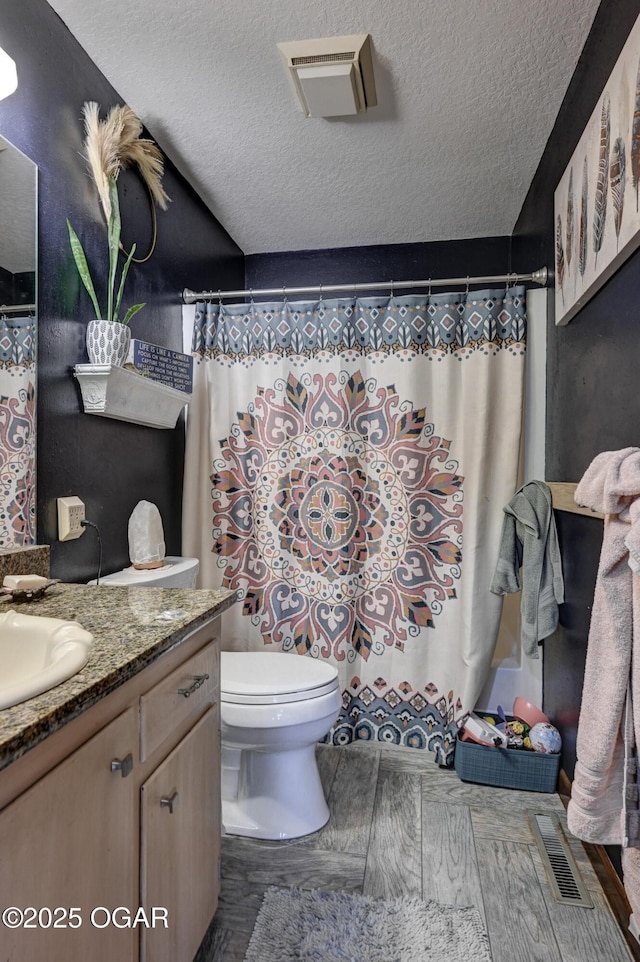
x,y
114,298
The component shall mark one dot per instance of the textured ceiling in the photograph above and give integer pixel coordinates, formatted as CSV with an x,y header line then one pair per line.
x,y
467,93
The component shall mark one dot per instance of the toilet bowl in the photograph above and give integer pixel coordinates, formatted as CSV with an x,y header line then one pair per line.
x,y
175,573
274,707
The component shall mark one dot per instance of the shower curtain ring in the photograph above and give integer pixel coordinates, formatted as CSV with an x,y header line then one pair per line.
x,y
429,289
391,288
321,297
466,292
219,298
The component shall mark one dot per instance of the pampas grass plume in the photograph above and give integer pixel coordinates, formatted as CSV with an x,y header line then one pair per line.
x,y
115,143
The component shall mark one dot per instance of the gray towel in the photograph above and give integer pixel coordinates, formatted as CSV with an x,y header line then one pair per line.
x,y
530,541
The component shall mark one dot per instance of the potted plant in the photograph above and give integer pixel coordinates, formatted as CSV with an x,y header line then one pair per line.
x,y
108,338
111,145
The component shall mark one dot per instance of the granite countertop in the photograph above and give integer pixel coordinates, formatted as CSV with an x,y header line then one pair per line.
x,y
131,626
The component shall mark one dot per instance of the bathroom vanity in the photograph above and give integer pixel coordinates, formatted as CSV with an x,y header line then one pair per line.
x,y
109,785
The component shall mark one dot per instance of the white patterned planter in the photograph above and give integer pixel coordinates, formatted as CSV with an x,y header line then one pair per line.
x,y
108,342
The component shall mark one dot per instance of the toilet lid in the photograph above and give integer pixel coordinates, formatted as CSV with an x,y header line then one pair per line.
x,y
264,678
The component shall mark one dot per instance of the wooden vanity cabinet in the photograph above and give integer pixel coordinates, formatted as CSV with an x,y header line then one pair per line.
x,y
120,808
69,843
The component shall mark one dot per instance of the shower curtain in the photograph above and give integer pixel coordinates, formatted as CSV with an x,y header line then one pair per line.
x,y
347,462
17,431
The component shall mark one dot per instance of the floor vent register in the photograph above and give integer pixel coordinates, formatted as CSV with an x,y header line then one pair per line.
x,y
567,885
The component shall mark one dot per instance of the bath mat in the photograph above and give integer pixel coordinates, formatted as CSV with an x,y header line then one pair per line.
x,y
313,926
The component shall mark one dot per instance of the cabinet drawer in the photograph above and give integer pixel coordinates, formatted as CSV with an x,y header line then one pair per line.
x,y
186,691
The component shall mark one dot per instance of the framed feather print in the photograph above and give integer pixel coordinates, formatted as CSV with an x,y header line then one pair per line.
x,y
596,203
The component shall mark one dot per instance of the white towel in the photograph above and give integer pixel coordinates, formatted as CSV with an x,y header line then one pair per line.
x,y
604,798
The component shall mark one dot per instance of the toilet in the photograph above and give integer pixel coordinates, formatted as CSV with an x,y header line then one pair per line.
x,y
175,573
274,707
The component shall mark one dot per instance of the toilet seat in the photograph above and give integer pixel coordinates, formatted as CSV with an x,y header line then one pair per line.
x,y
262,678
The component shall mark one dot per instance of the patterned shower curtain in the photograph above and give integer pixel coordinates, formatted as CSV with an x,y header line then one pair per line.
x,y
17,431
346,467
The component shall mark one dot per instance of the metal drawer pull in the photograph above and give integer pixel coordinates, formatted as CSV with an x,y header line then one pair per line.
x,y
170,803
123,765
198,682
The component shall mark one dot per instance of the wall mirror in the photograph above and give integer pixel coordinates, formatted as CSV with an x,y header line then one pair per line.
x,y
18,290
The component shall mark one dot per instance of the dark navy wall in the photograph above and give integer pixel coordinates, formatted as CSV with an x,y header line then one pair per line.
x,y
111,465
368,264
593,401
17,288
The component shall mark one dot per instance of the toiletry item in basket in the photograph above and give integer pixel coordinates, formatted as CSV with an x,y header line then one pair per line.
x,y
484,733
545,738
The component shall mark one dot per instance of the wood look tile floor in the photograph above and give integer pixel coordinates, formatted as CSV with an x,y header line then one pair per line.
x,y
402,826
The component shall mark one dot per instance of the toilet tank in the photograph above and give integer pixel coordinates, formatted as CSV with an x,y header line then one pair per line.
x,y
175,573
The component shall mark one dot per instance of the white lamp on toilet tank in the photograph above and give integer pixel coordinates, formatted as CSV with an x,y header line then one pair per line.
x,y
150,568
8,75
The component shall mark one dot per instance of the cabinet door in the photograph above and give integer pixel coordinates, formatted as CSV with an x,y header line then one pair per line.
x,y
69,842
180,836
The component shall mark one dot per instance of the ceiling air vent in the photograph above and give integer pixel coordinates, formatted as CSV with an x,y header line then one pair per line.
x,y
323,58
331,77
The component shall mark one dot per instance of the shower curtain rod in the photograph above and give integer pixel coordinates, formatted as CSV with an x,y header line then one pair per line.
x,y
17,308
540,277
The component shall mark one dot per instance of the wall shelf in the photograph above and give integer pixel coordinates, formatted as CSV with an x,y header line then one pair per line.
x,y
562,494
115,392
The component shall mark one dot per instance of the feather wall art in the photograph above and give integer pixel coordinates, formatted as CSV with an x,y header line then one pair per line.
x,y
597,200
559,256
583,230
617,178
602,183
635,138
568,247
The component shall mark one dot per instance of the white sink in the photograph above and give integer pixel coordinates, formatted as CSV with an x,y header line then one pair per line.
x,y
37,654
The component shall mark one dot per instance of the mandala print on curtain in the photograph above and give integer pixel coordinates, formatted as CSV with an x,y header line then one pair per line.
x,y
17,431
357,530
347,463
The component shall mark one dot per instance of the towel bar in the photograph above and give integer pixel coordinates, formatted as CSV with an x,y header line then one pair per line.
x,y
562,495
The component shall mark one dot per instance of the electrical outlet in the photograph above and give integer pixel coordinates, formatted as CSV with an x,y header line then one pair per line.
x,y
70,514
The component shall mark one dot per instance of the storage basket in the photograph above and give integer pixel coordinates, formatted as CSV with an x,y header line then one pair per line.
x,y
506,767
